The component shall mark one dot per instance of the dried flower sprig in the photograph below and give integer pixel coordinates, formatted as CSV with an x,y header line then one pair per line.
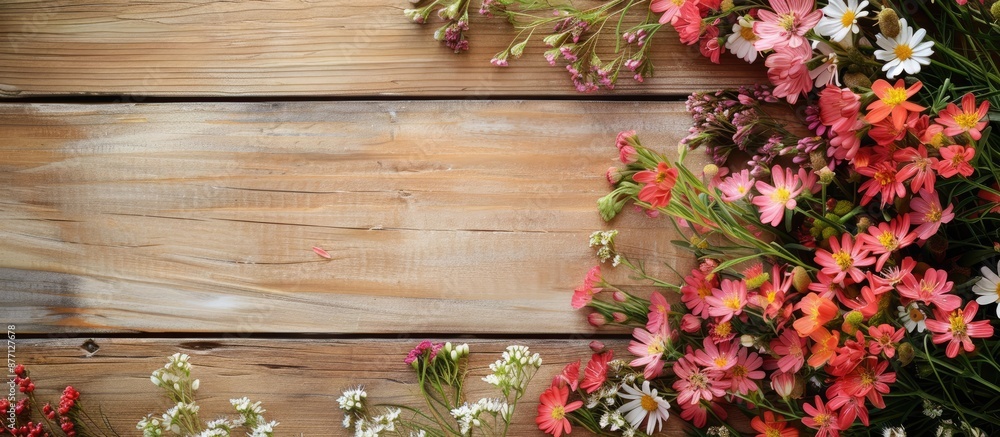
x,y
32,419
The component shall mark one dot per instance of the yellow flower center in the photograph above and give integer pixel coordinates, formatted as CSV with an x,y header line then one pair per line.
x,y
660,177
916,315
787,22
747,33
704,292
888,240
998,291
848,19
655,347
894,96
933,215
723,329
903,52
559,412
937,140
843,260
678,3
967,120
957,160
823,419
732,302
885,177
721,362
649,403
781,195
740,371
957,323
867,378
772,432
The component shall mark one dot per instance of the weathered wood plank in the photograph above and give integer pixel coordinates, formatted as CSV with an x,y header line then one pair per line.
x,y
288,47
441,217
298,381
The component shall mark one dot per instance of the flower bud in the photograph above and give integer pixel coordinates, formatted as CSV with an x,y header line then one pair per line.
x,y
800,279
888,23
596,319
864,222
854,318
747,340
628,155
727,5
905,353
826,175
690,323
454,355
196,384
783,384
613,176
596,346
619,296
995,11
626,138
710,170
857,80
619,317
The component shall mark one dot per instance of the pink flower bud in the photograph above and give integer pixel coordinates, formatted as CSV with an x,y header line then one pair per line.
x,y
628,155
619,317
596,346
596,320
783,384
690,323
618,296
613,175
625,138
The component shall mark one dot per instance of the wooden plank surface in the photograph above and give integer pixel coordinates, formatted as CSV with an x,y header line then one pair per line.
x,y
291,47
441,217
298,381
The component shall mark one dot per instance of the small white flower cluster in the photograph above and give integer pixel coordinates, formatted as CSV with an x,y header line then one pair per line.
x,y
150,426
719,431
455,352
514,369
219,428
420,433
894,431
353,399
175,416
607,394
606,241
613,420
263,429
932,410
175,376
252,416
468,414
375,426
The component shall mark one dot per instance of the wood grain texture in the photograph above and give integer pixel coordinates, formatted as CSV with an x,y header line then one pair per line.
x,y
441,217
298,381
291,47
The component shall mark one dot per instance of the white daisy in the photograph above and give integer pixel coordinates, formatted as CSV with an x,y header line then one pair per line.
x,y
644,403
741,41
988,288
906,52
913,317
894,432
841,19
827,72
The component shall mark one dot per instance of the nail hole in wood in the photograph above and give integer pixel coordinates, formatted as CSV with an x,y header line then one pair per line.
x,y
90,346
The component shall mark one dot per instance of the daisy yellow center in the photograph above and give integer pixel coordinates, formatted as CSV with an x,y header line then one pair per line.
x,y
649,403
704,292
997,291
933,215
787,22
740,371
732,302
678,3
888,240
843,260
655,347
966,120
885,177
867,378
894,96
958,327
747,33
903,52
558,412
957,160
740,188
698,381
916,315
781,195
937,140
770,296
823,419
772,432
723,329
721,361
848,19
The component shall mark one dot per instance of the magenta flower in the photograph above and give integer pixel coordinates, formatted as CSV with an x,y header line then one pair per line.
x,y
787,25
844,259
933,288
774,200
927,214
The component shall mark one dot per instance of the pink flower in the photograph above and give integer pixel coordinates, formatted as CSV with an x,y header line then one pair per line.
x,y
553,409
628,155
716,357
688,23
727,301
569,377
710,47
596,371
958,329
659,184
869,379
884,338
844,259
697,414
883,180
933,288
787,70
774,200
955,160
585,293
927,214
744,374
839,108
790,349
916,166
886,238
892,101
737,186
698,286
649,347
691,323
659,308
671,9
787,25
822,419
783,383
968,119
694,384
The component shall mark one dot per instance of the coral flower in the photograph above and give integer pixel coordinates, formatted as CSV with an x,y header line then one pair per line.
x,y
886,238
552,411
728,300
789,346
787,25
825,348
585,293
955,160
670,9
933,288
659,184
885,337
844,259
596,372
870,380
774,200
969,119
694,384
658,310
649,347
772,426
698,286
839,108
958,329
817,311
927,214
917,167
712,357
822,419
737,186
569,377
884,180
743,376
892,101
787,70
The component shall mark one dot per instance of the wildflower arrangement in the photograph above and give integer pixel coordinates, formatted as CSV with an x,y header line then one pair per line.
x,y
33,419
441,371
182,419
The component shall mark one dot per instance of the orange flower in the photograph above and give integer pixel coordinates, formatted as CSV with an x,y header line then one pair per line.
x,y
824,348
816,311
892,101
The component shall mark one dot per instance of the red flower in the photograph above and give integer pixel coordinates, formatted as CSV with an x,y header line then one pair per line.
x,y
822,419
570,376
884,180
659,184
958,329
596,371
968,119
772,426
884,339
585,293
955,160
552,411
